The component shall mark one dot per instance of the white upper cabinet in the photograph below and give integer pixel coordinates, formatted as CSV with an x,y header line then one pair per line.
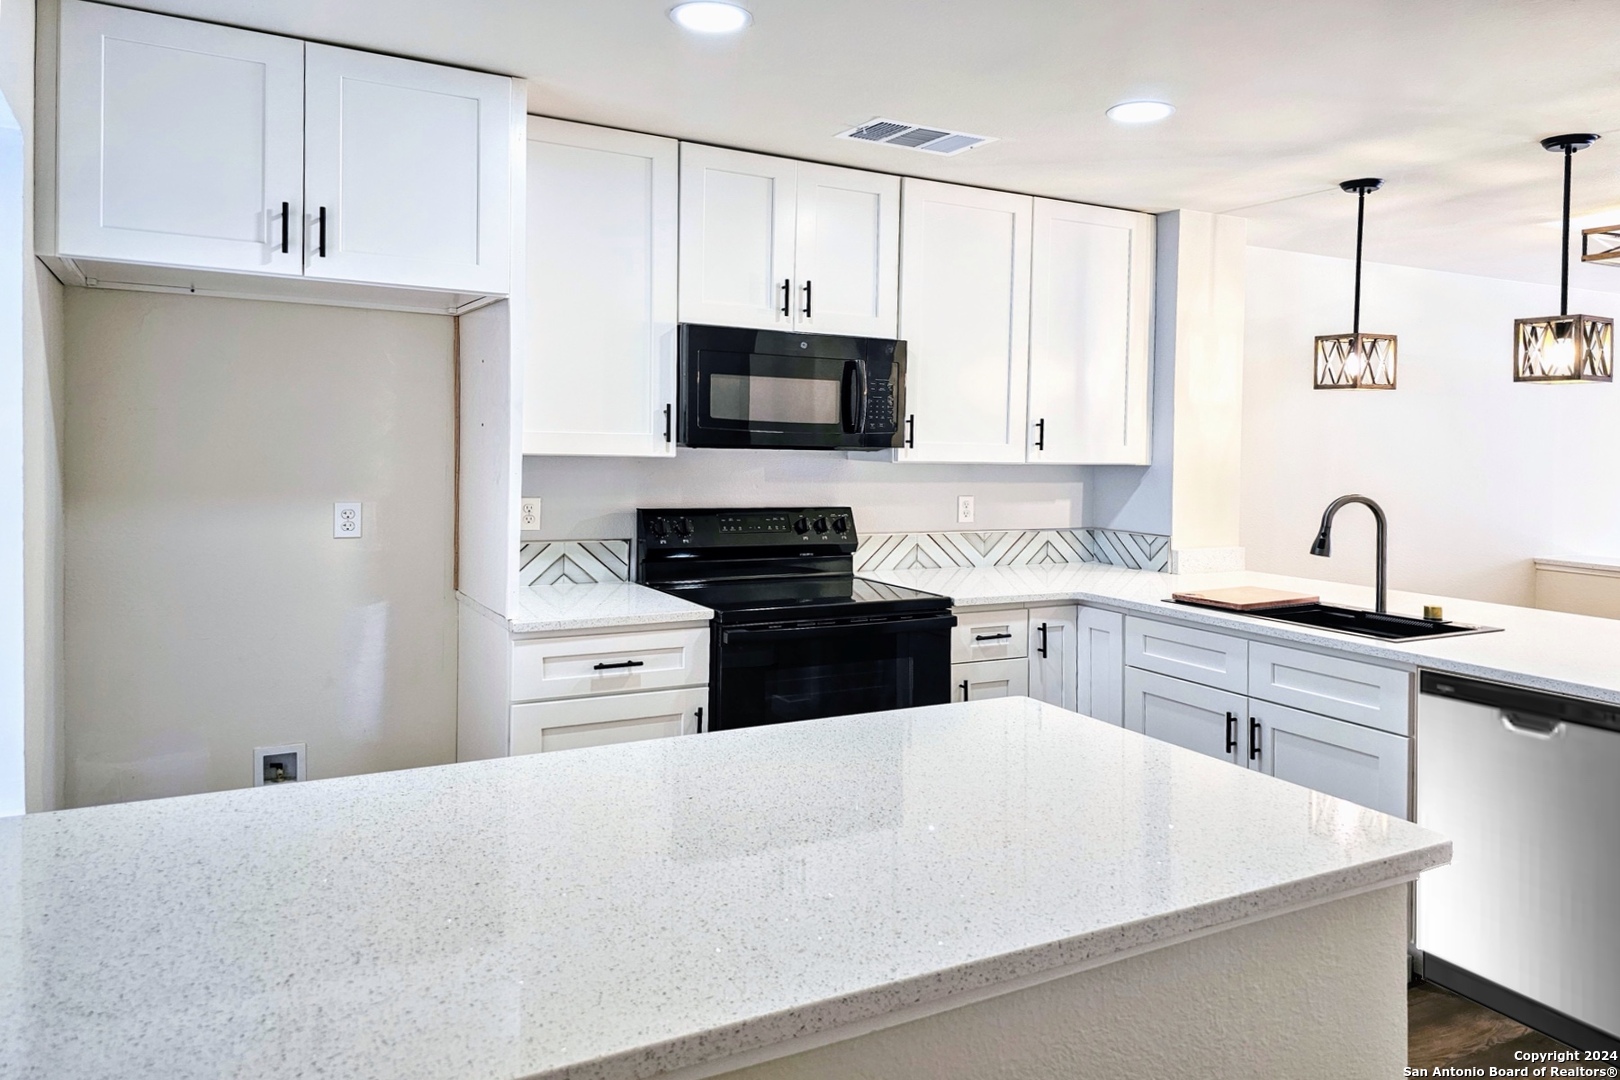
x,y
601,220
1089,336
776,244
407,172
202,157
964,314
737,232
847,256
180,143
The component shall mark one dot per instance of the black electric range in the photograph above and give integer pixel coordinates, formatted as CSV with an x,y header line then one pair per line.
x,y
796,634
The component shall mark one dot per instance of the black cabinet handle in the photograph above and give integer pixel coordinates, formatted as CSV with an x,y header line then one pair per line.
x,y
321,248
911,430
1231,732
700,718
668,411
787,291
621,664
286,213
807,299
1042,649
1040,434
1254,738
991,637
964,690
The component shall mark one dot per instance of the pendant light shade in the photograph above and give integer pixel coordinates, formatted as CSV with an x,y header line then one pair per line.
x,y
1356,361
1564,348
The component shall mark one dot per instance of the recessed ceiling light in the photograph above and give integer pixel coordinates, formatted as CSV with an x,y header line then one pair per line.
x,y
711,16
1140,112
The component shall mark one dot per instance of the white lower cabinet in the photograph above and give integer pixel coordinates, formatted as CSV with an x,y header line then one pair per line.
x,y
1359,764
1354,762
1053,655
542,726
984,679
1100,664
1202,718
611,686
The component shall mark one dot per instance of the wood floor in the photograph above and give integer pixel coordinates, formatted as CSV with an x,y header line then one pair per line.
x,y
1444,1029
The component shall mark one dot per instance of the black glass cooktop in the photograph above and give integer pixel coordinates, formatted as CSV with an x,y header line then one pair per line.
x,y
829,596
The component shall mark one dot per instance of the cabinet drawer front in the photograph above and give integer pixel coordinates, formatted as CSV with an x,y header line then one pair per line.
x,y
1201,718
990,635
1347,689
1187,653
544,726
989,679
1345,760
609,664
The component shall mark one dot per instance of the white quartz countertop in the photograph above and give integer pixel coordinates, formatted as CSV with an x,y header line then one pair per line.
x,y
630,910
1545,650
567,606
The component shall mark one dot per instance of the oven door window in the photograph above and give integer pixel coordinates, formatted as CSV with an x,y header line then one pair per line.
x,y
778,675
774,395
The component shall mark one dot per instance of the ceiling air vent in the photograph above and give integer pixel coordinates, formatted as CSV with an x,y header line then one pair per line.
x,y
929,140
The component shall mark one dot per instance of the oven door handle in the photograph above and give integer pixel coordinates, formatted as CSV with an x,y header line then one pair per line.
x,y
744,636
854,397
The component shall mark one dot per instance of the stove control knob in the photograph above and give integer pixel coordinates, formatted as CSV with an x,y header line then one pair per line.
x,y
841,524
684,526
801,525
821,524
659,527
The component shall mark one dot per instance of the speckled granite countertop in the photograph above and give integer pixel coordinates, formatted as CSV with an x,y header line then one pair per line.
x,y
631,910
563,607
1546,650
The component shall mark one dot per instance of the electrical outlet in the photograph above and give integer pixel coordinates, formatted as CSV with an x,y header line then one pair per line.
x,y
346,520
278,764
964,509
531,514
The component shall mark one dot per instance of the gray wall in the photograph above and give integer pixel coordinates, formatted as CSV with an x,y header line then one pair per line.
x,y
208,608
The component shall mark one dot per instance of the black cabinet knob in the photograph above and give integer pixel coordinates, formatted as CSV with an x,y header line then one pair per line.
x,y
801,525
821,524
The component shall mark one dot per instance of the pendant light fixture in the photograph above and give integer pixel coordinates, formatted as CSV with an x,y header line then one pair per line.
x,y
1564,348
1356,361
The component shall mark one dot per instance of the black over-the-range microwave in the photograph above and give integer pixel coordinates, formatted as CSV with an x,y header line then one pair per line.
x,y
769,388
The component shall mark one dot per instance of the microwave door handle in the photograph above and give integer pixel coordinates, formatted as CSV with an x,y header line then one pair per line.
x,y
854,394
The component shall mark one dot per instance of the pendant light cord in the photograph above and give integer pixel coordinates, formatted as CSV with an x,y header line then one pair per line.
x,y
1563,287
1361,219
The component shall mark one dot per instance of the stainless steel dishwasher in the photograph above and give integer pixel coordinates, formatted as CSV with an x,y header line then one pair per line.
x,y
1526,919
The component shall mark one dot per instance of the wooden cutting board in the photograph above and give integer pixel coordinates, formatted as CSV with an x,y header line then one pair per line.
x,y
1244,598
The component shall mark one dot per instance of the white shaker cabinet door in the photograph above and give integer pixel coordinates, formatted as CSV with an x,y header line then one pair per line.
x,y
847,254
1100,651
408,177
737,235
1196,717
1091,316
1359,764
545,726
180,143
602,222
964,315
1053,656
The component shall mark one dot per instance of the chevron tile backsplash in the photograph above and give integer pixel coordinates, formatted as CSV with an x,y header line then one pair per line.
x,y
1035,547
584,561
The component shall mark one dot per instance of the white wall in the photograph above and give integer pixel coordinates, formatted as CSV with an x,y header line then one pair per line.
x,y
42,420
596,498
1478,474
208,608
13,259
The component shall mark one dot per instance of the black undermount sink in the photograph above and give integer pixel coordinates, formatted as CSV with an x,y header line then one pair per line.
x,y
1364,623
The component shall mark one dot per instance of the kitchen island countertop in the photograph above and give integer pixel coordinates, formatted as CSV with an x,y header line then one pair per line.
x,y
643,908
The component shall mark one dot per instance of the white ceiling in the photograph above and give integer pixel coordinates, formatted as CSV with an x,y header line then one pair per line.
x,y
1278,99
